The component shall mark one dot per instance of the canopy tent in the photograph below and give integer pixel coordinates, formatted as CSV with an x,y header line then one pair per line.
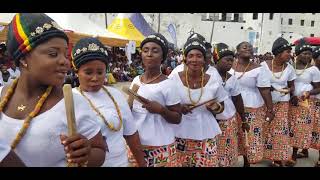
x,y
76,26
131,26
315,41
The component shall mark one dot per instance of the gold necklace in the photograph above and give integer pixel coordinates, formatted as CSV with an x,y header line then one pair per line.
x,y
225,79
109,125
295,68
245,70
31,115
201,91
155,78
273,72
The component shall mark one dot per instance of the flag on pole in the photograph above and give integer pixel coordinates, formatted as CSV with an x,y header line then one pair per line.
x,y
172,32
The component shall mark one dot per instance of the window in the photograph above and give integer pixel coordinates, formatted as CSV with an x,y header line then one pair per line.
x,y
311,35
271,16
281,20
312,23
236,17
313,13
241,27
255,16
302,23
224,17
290,22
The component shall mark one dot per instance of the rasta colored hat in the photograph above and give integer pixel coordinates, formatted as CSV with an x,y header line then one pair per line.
x,y
195,43
221,50
87,49
316,53
302,46
27,30
160,40
280,45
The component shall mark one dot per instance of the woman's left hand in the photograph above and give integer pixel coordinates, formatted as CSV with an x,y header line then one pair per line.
x,y
153,107
269,116
305,95
77,148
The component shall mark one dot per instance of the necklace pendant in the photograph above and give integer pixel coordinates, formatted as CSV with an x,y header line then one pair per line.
x,y
21,107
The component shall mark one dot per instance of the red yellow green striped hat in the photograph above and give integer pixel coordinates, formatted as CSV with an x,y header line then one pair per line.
x,y
28,30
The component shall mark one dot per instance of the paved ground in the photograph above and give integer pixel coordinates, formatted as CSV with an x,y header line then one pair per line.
x,y
305,162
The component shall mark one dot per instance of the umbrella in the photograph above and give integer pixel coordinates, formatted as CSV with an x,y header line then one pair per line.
x,y
315,41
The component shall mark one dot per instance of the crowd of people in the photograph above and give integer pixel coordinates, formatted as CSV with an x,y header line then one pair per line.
x,y
200,107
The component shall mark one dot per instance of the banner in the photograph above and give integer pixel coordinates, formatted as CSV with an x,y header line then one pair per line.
x,y
172,32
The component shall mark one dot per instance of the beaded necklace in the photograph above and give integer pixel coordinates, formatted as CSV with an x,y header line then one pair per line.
x,y
273,72
189,93
245,70
295,68
31,115
109,125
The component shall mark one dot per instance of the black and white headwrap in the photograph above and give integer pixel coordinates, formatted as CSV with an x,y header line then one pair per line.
x,y
195,43
302,46
316,53
158,39
280,45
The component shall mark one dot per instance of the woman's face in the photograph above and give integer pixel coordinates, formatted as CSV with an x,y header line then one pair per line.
x,y
225,63
92,75
305,57
151,55
195,60
47,63
245,50
285,56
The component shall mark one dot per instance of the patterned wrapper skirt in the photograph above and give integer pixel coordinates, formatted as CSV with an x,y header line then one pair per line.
x,y
301,126
157,156
276,134
254,151
227,142
197,153
315,110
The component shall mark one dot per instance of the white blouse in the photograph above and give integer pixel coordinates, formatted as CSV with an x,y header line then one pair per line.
x,y
41,145
288,74
200,124
153,129
249,84
303,82
232,88
114,139
4,150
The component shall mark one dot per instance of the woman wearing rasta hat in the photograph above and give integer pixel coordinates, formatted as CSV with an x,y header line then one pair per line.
x,y
197,132
255,91
228,119
307,83
89,60
33,115
276,132
160,107
316,113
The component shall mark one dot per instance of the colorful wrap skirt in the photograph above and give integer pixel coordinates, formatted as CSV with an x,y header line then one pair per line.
x,y
197,153
315,110
276,134
227,142
254,151
301,126
157,156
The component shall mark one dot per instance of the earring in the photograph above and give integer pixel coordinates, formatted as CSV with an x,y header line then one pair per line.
x,y
25,65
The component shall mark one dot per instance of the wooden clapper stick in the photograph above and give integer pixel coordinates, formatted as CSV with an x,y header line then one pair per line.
x,y
135,89
134,95
71,120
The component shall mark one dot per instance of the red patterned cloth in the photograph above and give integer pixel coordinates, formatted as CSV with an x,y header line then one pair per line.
x,y
315,110
276,134
197,153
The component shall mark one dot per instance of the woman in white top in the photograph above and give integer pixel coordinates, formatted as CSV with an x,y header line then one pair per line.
x,y
160,108
112,112
230,121
8,158
197,132
255,91
307,83
276,132
33,115
316,113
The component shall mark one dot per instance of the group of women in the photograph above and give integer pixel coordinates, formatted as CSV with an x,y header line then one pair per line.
x,y
200,116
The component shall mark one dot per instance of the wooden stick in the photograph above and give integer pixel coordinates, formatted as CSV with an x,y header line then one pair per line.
x,y
134,95
135,89
68,100
198,105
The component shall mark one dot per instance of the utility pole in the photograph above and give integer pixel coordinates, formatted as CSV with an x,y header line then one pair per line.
x,y
106,19
261,29
211,29
158,22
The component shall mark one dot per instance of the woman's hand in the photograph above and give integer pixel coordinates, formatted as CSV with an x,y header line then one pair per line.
x,y
153,107
185,108
77,148
294,100
305,95
245,126
269,115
